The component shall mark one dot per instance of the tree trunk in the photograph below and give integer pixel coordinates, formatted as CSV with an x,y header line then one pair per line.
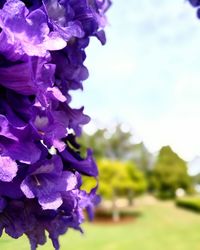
x,y
130,198
115,212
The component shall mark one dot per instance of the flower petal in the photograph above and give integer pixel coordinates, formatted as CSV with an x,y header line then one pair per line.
x,y
8,169
26,189
52,201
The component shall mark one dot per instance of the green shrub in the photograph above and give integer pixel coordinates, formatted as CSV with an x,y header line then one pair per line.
x,y
192,203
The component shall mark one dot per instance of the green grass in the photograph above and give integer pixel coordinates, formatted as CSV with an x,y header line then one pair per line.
x,y
161,226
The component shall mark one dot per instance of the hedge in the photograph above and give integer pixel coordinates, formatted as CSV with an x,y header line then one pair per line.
x,y
192,203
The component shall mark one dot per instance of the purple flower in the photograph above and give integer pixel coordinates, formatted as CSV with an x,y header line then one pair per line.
x,y
194,3
2,204
58,18
16,142
8,169
46,181
74,161
28,78
42,54
25,33
89,201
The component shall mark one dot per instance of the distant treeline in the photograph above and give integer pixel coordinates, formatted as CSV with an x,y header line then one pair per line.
x,y
128,169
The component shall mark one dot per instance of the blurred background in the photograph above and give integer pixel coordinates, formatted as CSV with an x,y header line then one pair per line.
x,y
143,95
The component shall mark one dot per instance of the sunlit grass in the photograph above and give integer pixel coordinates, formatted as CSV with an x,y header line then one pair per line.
x,y
162,226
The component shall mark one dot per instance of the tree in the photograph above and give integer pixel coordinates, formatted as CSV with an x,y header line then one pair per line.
x,y
117,145
118,179
169,174
142,157
137,179
96,142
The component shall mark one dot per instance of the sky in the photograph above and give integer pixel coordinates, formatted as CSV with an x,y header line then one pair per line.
x,y
147,76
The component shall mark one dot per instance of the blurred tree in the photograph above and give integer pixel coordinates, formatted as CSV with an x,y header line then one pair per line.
x,y
113,145
117,145
142,157
138,182
196,179
96,142
117,179
169,174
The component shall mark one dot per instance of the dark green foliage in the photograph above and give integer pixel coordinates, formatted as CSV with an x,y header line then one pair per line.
x,y
169,174
142,157
192,203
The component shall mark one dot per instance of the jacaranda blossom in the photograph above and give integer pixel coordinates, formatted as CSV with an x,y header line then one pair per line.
x,y
196,4
42,54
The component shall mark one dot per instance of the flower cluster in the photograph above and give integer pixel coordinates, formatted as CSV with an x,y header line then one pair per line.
x,y
196,3
42,51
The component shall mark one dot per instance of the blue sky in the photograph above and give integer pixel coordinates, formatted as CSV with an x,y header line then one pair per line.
x,y
148,74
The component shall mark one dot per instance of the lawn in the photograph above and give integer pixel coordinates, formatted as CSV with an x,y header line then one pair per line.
x,y
161,226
